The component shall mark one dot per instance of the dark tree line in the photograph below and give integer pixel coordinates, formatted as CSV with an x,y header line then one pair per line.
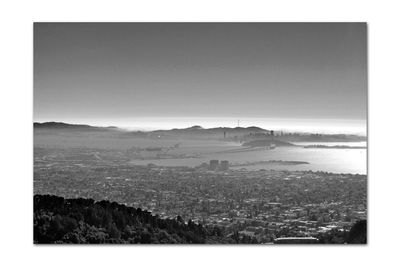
x,y
356,235
59,220
84,221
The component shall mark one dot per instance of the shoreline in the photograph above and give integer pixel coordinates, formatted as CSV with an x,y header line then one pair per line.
x,y
243,169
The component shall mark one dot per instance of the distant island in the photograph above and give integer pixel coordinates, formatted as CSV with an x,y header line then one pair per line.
x,y
267,143
333,147
270,162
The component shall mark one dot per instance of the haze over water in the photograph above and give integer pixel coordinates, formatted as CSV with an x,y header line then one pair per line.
x,y
323,126
353,161
291,77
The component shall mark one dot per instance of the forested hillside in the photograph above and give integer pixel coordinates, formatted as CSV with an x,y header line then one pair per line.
x,y
84,221
59,220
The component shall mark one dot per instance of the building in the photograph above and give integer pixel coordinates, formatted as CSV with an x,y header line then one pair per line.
x,y
214,165
224,166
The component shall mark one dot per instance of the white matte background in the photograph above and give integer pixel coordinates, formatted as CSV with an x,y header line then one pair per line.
x,y
16,185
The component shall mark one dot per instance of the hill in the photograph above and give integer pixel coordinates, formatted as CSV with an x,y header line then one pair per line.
x,y
215,133
65,126
84,221
322,137
266,142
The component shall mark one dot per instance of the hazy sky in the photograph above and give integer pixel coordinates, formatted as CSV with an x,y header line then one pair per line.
x,y
137,73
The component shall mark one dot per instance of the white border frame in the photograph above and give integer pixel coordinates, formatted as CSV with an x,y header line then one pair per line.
x,y
16,119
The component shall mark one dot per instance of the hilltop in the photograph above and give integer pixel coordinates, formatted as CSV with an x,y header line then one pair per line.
x,y
66,126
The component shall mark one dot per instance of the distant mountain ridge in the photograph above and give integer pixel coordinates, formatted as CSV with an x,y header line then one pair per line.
x,y
244,134
216,129
61,125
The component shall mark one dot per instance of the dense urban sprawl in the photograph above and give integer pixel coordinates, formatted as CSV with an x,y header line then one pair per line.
x,y
264,204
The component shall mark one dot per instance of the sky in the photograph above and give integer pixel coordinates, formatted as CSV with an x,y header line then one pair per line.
x,y
168,75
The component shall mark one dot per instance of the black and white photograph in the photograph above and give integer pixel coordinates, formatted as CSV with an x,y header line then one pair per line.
x,y
225,133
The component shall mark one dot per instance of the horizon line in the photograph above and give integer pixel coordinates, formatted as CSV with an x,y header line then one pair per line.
x,y
150,129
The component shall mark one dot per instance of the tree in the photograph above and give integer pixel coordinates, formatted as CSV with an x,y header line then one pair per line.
x,y
180,220
358,233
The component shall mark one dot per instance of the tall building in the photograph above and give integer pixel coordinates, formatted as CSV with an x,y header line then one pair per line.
x,y
224,166
214,164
